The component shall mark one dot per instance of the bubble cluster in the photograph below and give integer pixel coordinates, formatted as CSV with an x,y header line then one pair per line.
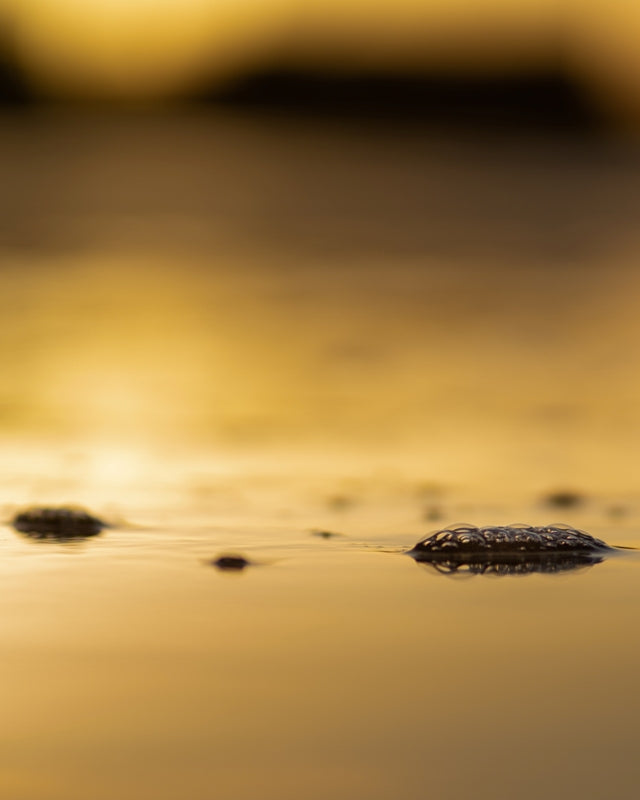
x,y
468,542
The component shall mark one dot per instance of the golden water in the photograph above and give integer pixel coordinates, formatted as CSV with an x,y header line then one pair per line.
x,y
222,334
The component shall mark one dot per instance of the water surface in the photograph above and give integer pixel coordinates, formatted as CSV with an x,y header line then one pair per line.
x,y
222,334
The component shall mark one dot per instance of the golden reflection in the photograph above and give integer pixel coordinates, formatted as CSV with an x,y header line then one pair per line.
x,y
303,366
157,674
232,335
136,368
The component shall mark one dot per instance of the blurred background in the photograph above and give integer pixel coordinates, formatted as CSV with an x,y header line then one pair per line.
x,y
329,239
163,50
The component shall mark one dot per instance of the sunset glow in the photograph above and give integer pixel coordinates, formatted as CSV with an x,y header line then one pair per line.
x,y
113,48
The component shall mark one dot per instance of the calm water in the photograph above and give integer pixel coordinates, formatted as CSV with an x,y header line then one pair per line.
x,y
332,667
222,334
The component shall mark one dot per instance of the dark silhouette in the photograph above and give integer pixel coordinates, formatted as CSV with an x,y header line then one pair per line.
x,y
14,85
546,100
59,524
230,562
509,550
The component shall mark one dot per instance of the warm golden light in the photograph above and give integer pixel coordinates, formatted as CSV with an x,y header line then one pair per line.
x,y
285,287
154,50
138,48
150,49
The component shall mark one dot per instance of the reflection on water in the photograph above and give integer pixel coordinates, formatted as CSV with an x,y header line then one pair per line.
x,y
505,564
233,334
209,293
131,670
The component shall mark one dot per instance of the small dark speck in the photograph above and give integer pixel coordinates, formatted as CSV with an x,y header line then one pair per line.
x,y
617,512
340,502
325,534
564,499
433,514
230,562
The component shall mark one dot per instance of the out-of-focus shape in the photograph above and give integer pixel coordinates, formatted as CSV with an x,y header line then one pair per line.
x,y
144,49
155,50
60,524
14,86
